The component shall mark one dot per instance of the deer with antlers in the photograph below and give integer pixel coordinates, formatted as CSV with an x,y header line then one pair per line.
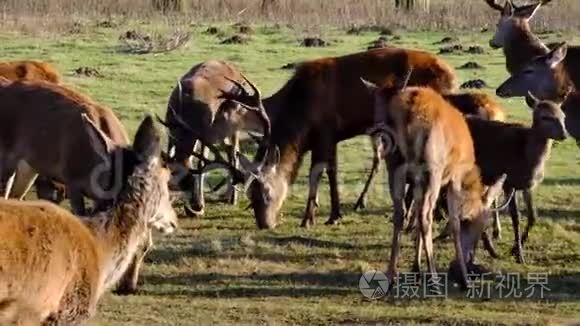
x,y
429,144
209,104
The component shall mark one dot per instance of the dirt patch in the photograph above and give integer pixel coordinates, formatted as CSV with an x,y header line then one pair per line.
x,y
475,83
212,31
471,65
87,72
378,44
447,40
358,29
475,49
243,28
236,39
452,49
314,42
106,24
133,35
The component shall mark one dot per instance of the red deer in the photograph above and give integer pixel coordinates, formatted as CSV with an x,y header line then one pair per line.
x,y
549,77
210,102
322,104
519,152
430,144
470,104
57,146
29,70
61,264
32,71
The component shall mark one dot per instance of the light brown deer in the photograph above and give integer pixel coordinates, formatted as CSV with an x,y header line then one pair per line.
x,y
430,144
322,104
29,70
17,312
62,265
210,102
470,104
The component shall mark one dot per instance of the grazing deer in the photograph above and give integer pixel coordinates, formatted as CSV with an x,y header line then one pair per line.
x,y
548,77
470,104
429,143
63,265
322,104
210,102
519,152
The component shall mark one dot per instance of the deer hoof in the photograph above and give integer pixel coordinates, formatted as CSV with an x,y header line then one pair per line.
x,y
517,252
360,204
190,212
124,289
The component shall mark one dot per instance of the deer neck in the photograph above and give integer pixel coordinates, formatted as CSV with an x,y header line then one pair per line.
x,y
537,150
564,84
120,231
521,47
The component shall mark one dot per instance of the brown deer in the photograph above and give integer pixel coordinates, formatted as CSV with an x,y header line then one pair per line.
x,y
57,146
548,77
210,102
61,265
471,104
322,104
29,70
429,143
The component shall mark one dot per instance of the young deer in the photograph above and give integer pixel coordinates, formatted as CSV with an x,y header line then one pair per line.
x,y
430,144
470,104
63,265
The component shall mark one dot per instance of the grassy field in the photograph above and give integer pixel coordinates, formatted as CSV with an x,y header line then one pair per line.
x,y
220,270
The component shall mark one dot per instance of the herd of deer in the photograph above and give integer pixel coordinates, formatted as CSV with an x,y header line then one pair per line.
x,y
55,264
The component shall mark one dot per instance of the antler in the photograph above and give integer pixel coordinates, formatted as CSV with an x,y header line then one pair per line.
x,y
250,102
495,6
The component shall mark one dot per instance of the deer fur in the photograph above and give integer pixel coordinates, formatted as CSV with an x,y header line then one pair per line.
x,y
548,77
470,104
520,152
434,149
17,312
63,264
30,70
322,104
521,45
210,99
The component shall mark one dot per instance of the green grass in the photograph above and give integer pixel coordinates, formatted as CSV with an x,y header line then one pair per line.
x,y
220,270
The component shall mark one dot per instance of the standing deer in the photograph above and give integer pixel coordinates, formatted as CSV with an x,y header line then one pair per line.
x,y
470,104
549,77
63,265
322,104
429,143
210,103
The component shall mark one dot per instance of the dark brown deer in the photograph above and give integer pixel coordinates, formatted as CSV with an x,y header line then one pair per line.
x,y
429,143
322,104
210,102
471,104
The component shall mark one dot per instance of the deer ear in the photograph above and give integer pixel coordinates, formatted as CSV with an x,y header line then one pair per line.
x,y
371,87
557,55
531,100
99,141
147,143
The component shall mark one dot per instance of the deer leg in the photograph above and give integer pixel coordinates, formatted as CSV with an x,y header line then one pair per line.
x,y
23,180
515,215
454,206
528,198
77,201
46,190
496,223
317,167
488,245
331,172
231,194
9,184
428,199
197,202
361,201
129,281
410,216
397,172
